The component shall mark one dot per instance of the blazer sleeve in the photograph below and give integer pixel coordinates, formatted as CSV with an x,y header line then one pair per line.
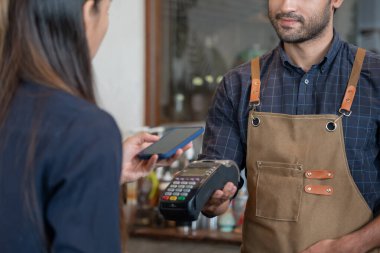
x,y
82,207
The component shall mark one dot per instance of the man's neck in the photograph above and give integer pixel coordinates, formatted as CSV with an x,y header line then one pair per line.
x,y
309,53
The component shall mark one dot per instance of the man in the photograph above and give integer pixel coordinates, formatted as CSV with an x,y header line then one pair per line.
x,y
303,120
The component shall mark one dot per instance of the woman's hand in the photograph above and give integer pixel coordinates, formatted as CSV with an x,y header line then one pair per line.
x,y
132,167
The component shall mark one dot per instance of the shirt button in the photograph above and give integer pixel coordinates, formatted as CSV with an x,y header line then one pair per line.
x,y
306,81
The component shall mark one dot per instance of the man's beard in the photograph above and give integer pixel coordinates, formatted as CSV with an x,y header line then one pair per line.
x,y
308,30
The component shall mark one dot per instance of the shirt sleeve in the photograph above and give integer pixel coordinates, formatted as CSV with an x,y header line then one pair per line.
x,y
222,138
82,209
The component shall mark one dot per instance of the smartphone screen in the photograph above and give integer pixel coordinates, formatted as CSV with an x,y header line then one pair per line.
x,y
173,140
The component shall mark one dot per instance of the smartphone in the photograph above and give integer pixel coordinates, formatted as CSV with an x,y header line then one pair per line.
x,y
173,140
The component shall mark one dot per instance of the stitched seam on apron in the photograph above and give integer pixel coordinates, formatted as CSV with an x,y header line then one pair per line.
x,y
298,117
290,167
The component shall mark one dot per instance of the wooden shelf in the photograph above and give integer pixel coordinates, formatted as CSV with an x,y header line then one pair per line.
x,y
191,235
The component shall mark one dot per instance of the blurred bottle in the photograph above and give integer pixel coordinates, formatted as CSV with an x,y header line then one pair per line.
x,y
165,180
226,221
238,205
146,199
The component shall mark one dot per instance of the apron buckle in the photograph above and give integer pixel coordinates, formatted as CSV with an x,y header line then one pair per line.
x,y
254,105
344,112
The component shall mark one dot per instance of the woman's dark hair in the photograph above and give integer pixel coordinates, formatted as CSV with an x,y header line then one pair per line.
x,y
3,22
45,42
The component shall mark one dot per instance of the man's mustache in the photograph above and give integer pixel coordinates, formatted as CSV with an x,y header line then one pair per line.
x,y
290,15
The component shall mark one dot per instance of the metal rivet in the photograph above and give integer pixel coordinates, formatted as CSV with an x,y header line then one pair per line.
x,y
256,121
309,174
331,126
329,174
328,190
309,188
348,100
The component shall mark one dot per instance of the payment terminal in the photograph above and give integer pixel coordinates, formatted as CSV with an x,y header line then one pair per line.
x,y
192,187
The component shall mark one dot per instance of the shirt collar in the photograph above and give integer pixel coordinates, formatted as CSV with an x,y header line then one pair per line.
x,y
325,63
332,53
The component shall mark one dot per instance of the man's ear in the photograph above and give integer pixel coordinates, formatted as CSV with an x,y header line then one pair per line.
x,y
336,3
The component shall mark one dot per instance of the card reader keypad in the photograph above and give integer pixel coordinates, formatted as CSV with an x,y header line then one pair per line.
x,y
180,188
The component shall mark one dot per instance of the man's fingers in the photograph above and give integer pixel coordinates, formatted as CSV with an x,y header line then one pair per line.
x,y
215,200
229,189
218,194
218,198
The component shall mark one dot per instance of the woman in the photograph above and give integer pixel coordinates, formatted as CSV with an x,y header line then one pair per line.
x,y
60,155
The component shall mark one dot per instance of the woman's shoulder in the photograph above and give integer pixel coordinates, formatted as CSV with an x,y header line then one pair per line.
x,y
61,111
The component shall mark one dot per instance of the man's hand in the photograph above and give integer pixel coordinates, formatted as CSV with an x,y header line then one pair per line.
x,y
344,244
360,241
219,201
132,167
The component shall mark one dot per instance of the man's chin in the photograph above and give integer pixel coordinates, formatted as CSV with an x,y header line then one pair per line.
x,y
292,36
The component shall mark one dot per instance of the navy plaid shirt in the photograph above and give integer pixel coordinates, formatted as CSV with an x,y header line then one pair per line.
x,y
287,89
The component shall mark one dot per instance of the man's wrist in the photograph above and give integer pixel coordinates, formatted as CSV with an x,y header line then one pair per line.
x,y
355,243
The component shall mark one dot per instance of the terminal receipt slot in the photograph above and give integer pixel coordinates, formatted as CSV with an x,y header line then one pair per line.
x,y
192,187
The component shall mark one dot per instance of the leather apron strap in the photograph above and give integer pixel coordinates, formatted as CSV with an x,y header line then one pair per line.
x,y
350,90
256,82
353,82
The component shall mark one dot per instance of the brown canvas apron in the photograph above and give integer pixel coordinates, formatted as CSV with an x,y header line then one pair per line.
x,y
300,187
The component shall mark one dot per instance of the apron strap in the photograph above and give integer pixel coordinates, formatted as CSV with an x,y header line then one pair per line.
x,y
350,90
352,82
255,77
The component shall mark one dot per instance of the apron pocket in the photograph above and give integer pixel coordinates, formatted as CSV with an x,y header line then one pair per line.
x,y
279,190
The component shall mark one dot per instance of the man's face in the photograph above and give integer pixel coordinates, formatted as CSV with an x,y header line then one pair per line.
x,y
297,21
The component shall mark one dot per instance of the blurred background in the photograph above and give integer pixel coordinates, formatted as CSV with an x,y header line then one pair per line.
x,y
158,68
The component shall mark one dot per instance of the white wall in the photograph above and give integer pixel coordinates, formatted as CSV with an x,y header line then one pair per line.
x,y
120,65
